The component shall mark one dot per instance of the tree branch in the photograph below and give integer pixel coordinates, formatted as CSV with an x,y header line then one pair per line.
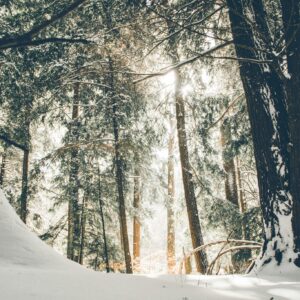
x,y
185,62
224,113
24,43
35,30
231,249
26,38
4,137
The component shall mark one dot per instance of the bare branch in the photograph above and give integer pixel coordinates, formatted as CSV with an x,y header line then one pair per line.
x,y
244,243
231,249
224,113
185,62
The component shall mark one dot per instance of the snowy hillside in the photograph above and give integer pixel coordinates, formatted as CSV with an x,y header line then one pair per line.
x,y
29,269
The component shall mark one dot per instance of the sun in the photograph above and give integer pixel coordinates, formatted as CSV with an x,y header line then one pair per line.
x,y
186,89
168,79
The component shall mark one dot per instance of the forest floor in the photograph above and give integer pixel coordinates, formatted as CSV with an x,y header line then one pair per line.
x,y
29,269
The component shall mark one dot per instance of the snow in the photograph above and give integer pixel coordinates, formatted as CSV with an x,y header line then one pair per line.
x,y
29,269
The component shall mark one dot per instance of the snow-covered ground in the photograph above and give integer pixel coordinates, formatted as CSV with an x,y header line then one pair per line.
x,y
29,269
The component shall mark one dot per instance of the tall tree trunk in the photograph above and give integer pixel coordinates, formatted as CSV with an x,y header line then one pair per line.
x,y
136,219
3,167
24,193
107,9
121,199
122,208
73,209
266,98
171,201
231,190
103,223
188,181
291,24
25,166
187,173
119,173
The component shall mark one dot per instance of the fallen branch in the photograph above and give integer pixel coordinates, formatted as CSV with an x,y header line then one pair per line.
x,y
202,247
236,248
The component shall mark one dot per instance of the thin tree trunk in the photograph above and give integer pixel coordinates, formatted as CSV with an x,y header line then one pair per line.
x,y
25,167
82,227
121,199
119,173
103,223
73,209
188,181
291,24
187,173
96,261
242,203
70,237
3,167
171,201
266,98
231,190
24,193
136,219
187,263
107,6
243,208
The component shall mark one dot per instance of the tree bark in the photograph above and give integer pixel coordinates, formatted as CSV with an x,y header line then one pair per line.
x,y
136,219
171,201
266,101
291,25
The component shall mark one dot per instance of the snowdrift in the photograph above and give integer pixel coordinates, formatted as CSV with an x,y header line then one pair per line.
x,y
29,269
20,247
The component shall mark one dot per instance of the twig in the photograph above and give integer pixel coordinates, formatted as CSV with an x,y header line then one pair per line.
x,y
224,113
